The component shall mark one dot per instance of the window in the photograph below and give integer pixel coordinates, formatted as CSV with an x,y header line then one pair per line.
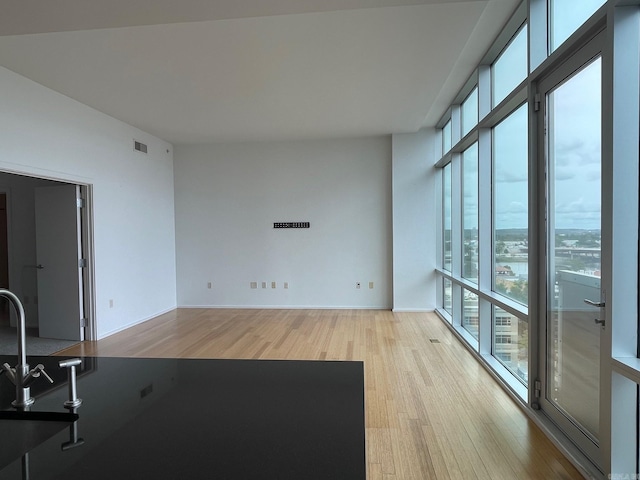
x,y
566,16
585,172
503,338
510,207
470,313
470,213
470,112
510,68
485,241
446,201
448,302
511,342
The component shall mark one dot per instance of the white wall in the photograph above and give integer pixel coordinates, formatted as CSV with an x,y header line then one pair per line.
x,y
228,196
414,222
46,134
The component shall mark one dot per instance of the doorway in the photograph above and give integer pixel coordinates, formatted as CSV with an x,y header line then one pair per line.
x,y
4,259
570,350
39,239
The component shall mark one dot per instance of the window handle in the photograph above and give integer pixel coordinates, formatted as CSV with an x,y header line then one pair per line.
x,y
594,304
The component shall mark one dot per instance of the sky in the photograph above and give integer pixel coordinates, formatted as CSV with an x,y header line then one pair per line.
x,y
575,155
574,131
567,15
575,127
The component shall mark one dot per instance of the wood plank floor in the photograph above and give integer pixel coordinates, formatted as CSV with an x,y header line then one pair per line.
x,y
432,412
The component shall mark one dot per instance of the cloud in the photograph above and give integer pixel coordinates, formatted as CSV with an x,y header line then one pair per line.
x,y
511,176
512,207
580,206
592,176
564,174
566,151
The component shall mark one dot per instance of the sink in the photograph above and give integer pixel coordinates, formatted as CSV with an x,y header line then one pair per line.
x,y
23,431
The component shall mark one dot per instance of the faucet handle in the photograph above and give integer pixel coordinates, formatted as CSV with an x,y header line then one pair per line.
x,y
71,364
41,369
10,371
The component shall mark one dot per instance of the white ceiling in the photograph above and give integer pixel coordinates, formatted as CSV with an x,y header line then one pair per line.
x,y
200,71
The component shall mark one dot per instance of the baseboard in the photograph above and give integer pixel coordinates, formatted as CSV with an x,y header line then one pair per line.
x,y
137,322
289,307
416,310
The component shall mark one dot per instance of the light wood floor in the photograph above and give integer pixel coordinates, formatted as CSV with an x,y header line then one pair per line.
x,y
432,412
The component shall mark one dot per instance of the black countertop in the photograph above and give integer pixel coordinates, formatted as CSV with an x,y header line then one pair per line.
x,y
197,419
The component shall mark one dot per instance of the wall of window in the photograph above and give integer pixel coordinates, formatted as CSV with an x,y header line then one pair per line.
x,y
485,240
493,209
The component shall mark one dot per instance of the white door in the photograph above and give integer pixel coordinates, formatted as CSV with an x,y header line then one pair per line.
x,y
58,251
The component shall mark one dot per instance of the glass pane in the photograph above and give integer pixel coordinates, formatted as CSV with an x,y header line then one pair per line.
x,y
470,313
470,112
511,342
574,163
510,68
448,292
510,212
470,213
446,202
566,16
446,137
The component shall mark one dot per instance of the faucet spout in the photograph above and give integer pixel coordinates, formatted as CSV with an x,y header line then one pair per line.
x,y
22,324
21,376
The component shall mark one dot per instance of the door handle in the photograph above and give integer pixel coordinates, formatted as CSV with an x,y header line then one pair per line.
x,y
594,304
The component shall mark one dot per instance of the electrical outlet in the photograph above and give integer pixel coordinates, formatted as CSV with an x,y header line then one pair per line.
x,y
253,284
357,284
370,284
111,303
273,284
208,284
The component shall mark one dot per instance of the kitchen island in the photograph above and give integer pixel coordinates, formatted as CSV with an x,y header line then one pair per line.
x,y
196,419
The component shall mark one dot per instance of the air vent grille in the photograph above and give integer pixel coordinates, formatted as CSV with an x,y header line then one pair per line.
x,y
139,146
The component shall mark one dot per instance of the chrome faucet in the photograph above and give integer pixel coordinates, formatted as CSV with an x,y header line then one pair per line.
x,y
21,376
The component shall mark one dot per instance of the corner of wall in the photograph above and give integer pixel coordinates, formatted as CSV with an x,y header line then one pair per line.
x,y
414,220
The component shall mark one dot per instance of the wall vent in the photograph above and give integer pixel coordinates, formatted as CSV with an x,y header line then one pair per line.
x,y
139,146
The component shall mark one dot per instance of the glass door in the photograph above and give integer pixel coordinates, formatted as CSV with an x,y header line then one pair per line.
x,y
572,112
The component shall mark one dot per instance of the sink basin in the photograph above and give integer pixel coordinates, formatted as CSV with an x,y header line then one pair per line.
x,y
23,431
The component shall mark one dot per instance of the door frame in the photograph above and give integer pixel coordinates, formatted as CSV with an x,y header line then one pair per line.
x,y
6,190
88,273
87,244
553,77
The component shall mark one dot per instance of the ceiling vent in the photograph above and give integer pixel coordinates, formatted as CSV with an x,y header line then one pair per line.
x,y
139,146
